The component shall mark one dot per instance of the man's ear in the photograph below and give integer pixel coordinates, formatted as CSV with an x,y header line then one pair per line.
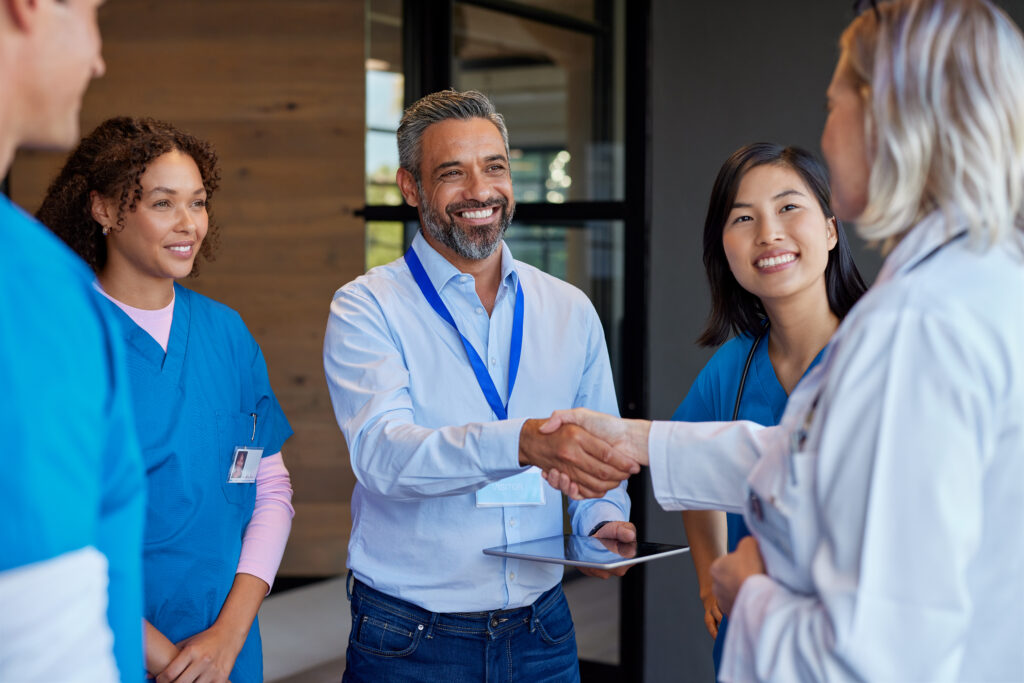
x,y
23,13
102,210
407,184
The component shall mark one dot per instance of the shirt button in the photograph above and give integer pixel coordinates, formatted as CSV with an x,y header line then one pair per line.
x,y
494,361
464,278
512,522
479,310
511,576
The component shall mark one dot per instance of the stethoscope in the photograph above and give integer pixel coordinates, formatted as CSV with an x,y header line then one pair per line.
x,y
746,369
801,434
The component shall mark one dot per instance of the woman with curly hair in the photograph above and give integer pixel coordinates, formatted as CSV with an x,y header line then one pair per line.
x,y
133,201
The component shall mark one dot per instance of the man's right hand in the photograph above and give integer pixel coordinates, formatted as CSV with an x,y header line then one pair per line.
x,y
590,462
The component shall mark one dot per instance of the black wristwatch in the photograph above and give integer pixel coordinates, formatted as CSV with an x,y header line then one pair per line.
x,y
598,526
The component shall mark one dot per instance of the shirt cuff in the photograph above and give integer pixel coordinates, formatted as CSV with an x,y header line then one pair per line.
x,y
658,460
592,512
501,439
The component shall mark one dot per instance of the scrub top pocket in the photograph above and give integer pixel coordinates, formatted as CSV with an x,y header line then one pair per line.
x,y
235,430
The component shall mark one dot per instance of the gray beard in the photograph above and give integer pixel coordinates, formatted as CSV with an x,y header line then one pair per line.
x,y
474,244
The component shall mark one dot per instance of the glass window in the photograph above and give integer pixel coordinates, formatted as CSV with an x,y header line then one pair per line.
x,y
385,86
589,255
542,79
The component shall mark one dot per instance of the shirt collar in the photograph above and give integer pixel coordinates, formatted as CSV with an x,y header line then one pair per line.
x,y
917,243
441,271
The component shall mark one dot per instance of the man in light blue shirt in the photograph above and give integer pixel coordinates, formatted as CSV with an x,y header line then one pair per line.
x,y
434,363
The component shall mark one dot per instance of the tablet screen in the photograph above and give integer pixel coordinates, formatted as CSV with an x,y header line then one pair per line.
x,y
586,551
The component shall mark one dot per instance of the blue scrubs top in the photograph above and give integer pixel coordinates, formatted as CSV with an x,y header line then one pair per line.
x,y
72,472
208,394
712,398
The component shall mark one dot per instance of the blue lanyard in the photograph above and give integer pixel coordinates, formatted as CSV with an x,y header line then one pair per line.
x,y
479,368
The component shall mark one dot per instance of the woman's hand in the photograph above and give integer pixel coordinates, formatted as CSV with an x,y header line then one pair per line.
x,y
208,656
712,614
159,650
728,573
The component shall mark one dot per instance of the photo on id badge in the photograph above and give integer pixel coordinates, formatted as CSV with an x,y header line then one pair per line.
x,y
244,464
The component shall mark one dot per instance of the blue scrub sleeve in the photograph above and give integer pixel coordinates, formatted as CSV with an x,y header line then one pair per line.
x,y
273,428
697,407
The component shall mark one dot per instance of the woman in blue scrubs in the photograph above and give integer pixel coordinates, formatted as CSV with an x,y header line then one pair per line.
x,y
133,201
782,277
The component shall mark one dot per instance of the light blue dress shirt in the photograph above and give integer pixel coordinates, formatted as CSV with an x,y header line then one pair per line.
x,y
422,438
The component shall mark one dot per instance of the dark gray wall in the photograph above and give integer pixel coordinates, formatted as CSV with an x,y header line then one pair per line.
x,y
724,73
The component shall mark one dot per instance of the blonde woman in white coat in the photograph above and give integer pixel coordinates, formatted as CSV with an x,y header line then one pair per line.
x,y
886,506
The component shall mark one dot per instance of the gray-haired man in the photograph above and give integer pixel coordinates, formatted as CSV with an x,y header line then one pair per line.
x,y
434,364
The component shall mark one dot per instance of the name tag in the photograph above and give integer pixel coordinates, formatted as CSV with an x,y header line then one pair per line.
x,y
525,488
245,462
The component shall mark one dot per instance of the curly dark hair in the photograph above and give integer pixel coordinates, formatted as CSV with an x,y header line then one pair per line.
x,y
111,161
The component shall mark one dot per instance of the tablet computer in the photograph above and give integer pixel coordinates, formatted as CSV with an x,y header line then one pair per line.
x,y
586,551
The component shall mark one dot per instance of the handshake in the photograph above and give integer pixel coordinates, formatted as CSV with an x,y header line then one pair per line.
x,y
584,453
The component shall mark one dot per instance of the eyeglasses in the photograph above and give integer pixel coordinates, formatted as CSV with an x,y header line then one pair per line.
x,y
860,5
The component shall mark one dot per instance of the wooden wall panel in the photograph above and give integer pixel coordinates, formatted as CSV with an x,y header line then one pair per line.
x,y
278,88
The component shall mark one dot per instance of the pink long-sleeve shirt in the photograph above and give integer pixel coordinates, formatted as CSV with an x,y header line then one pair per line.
x,y
267,532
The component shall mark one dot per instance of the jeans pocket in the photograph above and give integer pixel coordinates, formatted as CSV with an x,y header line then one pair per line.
x,y
555,624
379,631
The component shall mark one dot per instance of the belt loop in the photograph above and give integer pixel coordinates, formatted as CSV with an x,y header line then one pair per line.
x,y
349,587
434,616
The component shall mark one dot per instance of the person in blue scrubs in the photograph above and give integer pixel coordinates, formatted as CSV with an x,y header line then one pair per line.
x,y
133,201
782,277
71,495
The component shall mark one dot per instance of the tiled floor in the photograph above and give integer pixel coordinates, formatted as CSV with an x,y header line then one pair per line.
x,y
305,630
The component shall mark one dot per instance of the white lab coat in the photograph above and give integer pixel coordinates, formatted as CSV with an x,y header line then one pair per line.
x,y
893,532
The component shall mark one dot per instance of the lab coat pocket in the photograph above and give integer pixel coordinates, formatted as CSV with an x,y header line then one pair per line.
x,y
235,434
778,514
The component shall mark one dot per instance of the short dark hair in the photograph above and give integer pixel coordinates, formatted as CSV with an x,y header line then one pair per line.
x,y
111,161
437,107
734,310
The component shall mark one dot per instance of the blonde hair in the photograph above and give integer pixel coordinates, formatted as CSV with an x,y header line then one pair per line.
x,y
943,82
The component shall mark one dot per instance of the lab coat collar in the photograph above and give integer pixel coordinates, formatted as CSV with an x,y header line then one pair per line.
x,y
917,243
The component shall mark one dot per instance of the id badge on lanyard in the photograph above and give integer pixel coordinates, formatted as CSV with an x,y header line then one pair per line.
x,y
525,488
245,461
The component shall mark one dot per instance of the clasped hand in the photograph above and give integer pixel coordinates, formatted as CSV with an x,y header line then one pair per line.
x,y
592,452
591,463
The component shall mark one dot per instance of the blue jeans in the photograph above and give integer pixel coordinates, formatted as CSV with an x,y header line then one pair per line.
x,y
393,640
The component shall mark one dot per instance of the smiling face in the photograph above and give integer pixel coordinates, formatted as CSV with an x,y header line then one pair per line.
x,y
465,195
162,235
777,237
